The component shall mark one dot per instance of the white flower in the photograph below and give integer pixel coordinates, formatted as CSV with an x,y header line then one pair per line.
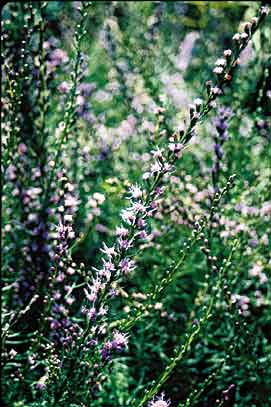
x,y
192,107
135,192
92,296
236,37
198,102
12,353
109,251
120,340
160,402
218,70
127,216
108,265
158,152
70,270
263,278
99,197
216,90
127,265
71,201
156,167
68,218
121,231
221,62
146,175
103,311
227,52
213,103
138,207
167,167
176,148
265,10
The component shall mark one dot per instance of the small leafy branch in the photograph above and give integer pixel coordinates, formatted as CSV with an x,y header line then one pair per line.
x,y
69,118
195,329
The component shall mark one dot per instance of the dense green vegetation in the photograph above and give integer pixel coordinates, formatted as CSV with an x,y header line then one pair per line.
x,y
136,204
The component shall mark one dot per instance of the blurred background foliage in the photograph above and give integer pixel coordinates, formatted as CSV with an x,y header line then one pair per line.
x,y
135,52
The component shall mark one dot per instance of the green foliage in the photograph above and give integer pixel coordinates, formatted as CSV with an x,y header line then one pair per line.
x,y
94,95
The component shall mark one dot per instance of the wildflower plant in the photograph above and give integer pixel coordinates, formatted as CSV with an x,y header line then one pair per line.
x,y
135,234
